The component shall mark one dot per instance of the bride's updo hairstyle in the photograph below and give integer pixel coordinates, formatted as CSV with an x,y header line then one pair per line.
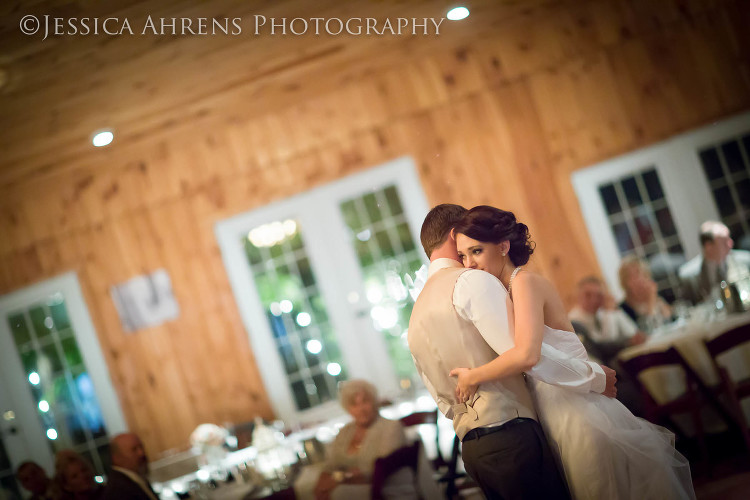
x,y
492,225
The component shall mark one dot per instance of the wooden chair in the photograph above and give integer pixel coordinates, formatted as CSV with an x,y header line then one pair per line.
x,y
735,390
694,398
407,456
446,470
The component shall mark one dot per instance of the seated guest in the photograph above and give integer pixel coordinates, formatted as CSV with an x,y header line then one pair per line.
x,y
34,479
606,326
642,302
352,455
716,263
75,477
606,330
129,470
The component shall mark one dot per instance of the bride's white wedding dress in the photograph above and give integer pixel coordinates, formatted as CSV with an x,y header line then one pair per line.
x,y
605,450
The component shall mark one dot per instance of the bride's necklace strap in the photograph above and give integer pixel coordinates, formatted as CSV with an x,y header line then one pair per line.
x,y
513,275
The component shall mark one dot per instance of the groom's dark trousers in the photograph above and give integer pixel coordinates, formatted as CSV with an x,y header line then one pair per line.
x,y
513,461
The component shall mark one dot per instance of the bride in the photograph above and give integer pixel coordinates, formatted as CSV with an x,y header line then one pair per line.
x,y
606,452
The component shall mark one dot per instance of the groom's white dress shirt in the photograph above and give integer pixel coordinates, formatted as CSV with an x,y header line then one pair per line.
x,y
483,329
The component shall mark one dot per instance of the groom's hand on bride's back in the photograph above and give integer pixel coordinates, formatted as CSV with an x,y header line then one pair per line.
x,y
611,376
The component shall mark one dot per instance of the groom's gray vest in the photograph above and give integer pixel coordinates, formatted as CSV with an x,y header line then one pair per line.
x,y
440,340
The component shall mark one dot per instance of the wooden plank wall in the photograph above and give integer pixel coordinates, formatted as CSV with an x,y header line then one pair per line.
x,y
498,112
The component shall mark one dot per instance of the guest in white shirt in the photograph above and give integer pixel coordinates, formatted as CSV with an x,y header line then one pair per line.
x,y
604,322
716,263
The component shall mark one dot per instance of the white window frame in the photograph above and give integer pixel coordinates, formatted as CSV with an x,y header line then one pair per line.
x,y
330,253
680,171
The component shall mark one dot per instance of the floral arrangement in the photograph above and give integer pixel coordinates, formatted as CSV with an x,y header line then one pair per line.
x,y
208,435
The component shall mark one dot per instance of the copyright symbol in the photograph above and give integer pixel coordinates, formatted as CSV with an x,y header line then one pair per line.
x,y
29,25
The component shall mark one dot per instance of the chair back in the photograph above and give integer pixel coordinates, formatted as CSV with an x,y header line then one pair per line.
x,y
423,418
728,340
671,357
637,364
419,418
407,456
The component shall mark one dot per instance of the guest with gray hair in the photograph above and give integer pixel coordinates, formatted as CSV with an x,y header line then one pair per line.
x,y
351,457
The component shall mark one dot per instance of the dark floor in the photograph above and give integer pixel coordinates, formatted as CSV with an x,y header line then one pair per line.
x,y
728,475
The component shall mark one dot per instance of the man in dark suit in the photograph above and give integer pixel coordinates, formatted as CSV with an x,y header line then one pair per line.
x,y
128,481
716,263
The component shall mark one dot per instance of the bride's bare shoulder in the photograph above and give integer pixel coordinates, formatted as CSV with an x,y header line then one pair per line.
x,y
531,279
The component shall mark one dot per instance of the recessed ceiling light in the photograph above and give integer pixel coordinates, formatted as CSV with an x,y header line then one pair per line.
x,y
458,13
102,138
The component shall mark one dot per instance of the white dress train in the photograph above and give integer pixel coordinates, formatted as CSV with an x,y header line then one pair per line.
x,y
606,452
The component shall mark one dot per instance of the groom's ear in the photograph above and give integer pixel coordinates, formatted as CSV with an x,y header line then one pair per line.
x,y
453,233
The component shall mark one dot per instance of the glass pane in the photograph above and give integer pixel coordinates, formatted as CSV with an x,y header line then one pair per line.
x,y
19,328
743,193
28,360
609,197
630,188
746,146
733,156
89,413
622,236
349,211
723,199
300,395
59,316
711,164
38,319
653,185
384,244
71,352
374,213
295,309
394,203
666,224
50,359
405,238
643,226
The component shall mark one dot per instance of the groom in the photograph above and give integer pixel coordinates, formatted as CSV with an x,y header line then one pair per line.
x,y
504,449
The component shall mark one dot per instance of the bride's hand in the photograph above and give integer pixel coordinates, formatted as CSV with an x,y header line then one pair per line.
x,y
464,389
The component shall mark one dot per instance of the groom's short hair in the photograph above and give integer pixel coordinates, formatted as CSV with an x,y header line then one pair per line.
x,y
438,224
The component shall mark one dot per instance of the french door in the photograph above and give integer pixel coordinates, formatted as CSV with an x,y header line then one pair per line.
x,y
55,390
319,280
651,202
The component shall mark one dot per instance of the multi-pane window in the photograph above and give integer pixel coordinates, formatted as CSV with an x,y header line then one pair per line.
x,y
386,251
296,313
59,381
642,224
727,170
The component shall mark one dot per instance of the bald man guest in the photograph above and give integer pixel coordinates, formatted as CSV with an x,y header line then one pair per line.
x,y
129,470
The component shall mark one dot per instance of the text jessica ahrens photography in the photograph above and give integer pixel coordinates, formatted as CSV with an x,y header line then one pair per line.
x,y
203,26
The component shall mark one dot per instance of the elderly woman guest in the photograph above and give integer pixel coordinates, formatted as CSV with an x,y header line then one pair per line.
x,y
642,302
352,455
75,477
